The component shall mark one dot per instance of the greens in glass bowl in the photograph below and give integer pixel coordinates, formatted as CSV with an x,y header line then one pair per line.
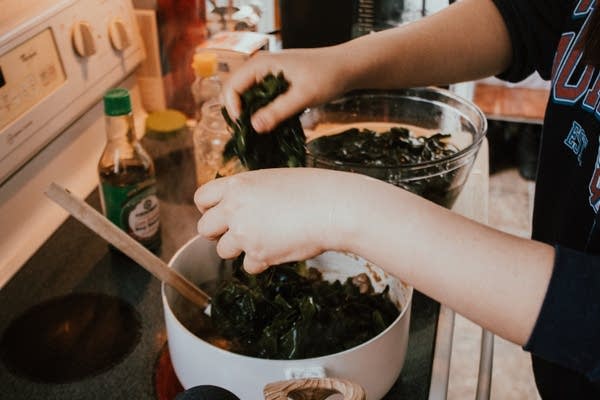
x,y
424,140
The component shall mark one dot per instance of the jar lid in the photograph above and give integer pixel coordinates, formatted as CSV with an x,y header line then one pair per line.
x,y
164,124
205,64
117,102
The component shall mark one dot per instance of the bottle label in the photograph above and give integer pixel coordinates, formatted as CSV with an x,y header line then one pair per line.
x,y
133,208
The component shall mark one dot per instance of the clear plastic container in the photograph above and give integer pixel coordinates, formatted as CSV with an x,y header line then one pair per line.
x,y
210,137
207,84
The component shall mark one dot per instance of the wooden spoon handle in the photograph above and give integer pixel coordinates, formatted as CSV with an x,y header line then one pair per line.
x,y
313,389
122,241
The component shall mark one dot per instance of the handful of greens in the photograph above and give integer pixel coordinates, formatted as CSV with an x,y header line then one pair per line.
x,y
285,146
289,312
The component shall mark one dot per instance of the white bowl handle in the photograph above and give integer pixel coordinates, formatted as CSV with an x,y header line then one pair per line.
x,y
313,389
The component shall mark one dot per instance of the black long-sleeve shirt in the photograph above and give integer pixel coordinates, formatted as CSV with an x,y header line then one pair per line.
x,y
565,342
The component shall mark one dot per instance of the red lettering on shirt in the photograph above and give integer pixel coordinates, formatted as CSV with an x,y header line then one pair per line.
x,y
568,87
584,6
595,189
563,91
591,99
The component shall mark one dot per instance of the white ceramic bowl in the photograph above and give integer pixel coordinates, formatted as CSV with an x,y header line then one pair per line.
x,y
375,364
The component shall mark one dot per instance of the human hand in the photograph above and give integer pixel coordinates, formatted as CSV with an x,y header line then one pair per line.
x,y
279,215
315,76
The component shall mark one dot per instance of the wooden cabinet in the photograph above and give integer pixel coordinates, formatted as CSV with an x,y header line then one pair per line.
x,y
515,104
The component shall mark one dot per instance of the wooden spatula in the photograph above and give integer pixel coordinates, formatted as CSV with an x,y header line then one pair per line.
x,y
122,241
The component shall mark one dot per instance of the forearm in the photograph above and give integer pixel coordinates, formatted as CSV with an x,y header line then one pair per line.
x,y
495,279
465,41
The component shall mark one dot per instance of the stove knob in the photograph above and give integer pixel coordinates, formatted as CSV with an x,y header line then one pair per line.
x,y
118,35
83,40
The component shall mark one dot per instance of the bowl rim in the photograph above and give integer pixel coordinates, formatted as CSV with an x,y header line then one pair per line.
x,y
411,93
167,308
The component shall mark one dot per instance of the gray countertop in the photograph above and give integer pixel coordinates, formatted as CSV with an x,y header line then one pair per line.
x,y
74,260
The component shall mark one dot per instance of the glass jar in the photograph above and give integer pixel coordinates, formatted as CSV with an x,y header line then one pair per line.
x,y
210,137
168,140
166,136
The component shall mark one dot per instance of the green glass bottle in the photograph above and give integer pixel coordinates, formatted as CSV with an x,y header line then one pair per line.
x,y
127,176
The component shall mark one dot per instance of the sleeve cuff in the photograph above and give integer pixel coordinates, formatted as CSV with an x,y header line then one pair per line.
x,y
518,70
567,330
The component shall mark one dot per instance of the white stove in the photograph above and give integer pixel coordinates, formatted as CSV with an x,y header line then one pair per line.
x,y
57,58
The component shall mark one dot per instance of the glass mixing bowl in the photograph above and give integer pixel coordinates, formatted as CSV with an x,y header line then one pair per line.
x,y
425,112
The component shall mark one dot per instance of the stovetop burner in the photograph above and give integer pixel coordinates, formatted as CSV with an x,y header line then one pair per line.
x,y
69,338
75,260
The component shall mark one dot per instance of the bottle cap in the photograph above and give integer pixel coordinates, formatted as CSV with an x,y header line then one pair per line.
x,y
205,63
117,102
160,124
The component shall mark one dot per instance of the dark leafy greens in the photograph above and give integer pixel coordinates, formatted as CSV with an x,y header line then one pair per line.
x,y
285,146
391,148
384,156
289,312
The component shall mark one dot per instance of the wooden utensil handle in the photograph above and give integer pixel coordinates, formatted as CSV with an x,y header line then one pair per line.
x,y
122,241
313,389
